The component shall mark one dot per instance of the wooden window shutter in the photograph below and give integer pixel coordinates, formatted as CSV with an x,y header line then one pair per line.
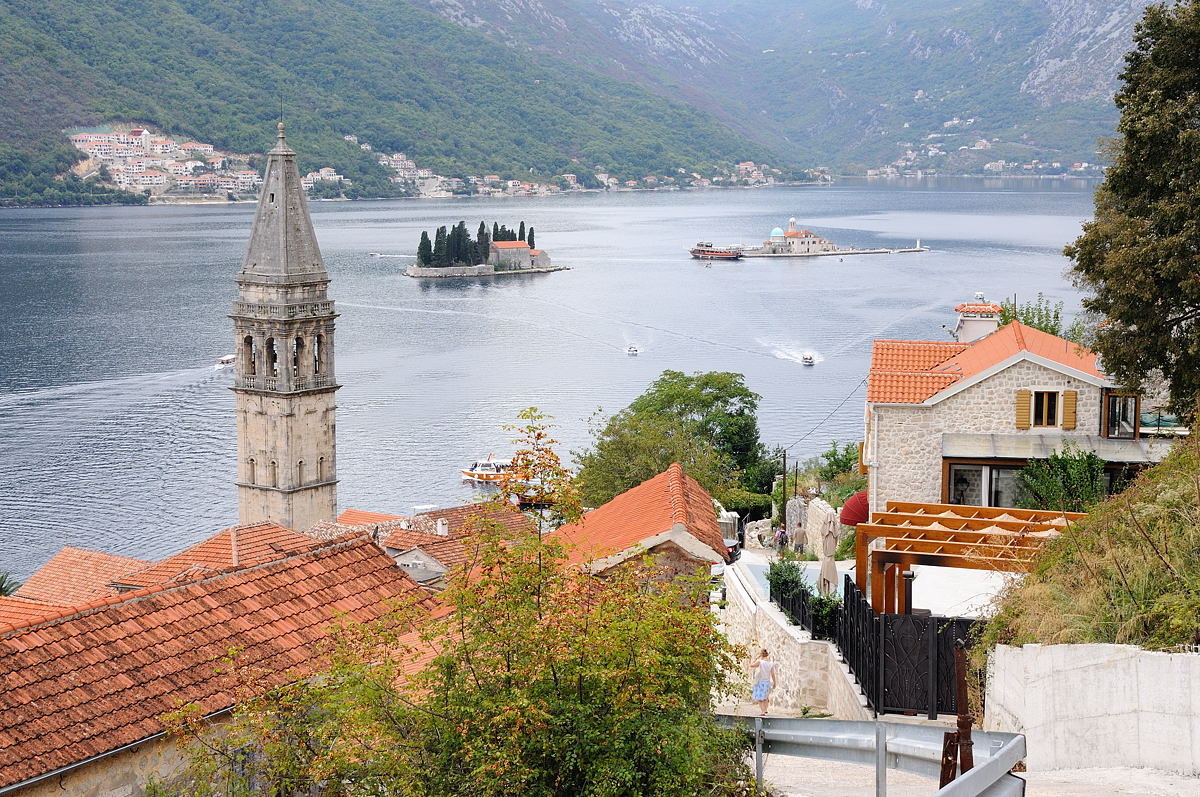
x,y
1070,398
1023,400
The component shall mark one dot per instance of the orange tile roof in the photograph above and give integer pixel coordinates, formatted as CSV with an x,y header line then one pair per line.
x,y
910,372
510,244
253,544
978,307
99,678
358,517
21,611
77,575
651,508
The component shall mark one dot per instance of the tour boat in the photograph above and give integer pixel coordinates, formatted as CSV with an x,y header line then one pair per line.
x,y
487,470
632,351
706,251
225,362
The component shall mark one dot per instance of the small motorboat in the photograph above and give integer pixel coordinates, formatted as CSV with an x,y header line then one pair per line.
x,y
487,470
632,350
225,362
808,359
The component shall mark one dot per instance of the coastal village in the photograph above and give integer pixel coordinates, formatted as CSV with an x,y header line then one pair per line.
x,y
97,649
144,160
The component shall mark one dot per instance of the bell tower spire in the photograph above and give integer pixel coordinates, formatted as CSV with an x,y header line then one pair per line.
x,y
283,323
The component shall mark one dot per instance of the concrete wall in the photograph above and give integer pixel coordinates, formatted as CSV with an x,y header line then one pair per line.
x,y
120,775
1083,706
809,672
904,443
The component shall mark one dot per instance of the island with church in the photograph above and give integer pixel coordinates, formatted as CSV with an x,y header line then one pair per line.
x,y
792,242
454,253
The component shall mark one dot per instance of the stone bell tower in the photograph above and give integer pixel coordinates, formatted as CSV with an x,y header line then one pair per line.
x,y
283,328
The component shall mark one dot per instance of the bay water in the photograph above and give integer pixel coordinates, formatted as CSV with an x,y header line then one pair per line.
x,y
117,434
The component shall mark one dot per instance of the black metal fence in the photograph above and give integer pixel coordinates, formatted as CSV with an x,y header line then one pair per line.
x,y
903,663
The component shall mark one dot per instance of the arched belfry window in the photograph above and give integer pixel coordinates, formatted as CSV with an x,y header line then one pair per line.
x,y
300,472
274,474
272,358
319,354
251,476
249,356
297,355
321,469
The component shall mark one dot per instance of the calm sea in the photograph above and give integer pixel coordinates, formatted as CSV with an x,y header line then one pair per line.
x,y
117,434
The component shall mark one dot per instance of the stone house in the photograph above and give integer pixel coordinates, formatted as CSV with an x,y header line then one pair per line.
x,y
954,421
671,517
513,254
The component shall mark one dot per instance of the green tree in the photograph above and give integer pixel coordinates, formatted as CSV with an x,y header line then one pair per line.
x,y
538,679
8,584
530,239
1039,314
483,243
1137,258
705,421
424,250
1070,480
441,256
521,232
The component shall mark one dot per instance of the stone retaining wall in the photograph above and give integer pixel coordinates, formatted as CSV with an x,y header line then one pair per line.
x,y
809,671
485,270
1085,706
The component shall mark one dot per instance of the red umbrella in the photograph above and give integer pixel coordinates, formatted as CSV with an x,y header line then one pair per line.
x,y
857,509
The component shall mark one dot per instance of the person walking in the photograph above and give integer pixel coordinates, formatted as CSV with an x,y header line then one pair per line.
x,y
763,669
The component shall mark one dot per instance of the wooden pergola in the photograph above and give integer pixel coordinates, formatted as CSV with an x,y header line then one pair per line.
x,y
947,535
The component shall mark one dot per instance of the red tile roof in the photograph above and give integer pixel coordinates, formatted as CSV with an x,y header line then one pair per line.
x,y
251,544
98,678
510,244
20,611
77,575
357,517
978,308
910,372
651,508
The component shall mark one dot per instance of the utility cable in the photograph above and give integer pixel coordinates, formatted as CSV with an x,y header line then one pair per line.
x,y
832,412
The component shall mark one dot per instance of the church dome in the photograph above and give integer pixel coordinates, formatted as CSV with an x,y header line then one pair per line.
x,y
777,233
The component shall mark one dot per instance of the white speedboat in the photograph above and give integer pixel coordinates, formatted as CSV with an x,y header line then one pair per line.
x,y
808,359
225,362
487,470
632,351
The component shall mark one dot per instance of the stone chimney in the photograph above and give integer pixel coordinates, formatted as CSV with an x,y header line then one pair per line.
x,y
976,319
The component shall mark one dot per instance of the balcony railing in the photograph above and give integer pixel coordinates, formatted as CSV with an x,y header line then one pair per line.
x,y
283,311
275,384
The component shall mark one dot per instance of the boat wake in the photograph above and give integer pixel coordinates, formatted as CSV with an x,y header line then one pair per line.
x,y
793,353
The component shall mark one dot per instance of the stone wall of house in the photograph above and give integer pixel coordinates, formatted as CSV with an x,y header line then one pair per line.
x,y
121,775
905,442
1084,706
810,673
813,533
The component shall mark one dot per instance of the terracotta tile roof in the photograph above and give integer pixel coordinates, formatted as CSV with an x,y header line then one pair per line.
x,y
21,611
978,307
910,372
510,244
253,543
77,575
651,508
99,678
450,552
357,517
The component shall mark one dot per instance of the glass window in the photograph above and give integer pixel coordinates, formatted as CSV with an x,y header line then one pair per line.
x,y
966,484
1005,486
1045,408
1122,417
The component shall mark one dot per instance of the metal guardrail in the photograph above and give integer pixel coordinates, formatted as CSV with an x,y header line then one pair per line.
x,y
895,745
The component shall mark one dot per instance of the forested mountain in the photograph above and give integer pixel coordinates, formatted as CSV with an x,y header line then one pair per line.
x,y
852,83
395,74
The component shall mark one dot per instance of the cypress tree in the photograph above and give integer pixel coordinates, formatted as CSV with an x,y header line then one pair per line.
x,y
521,234
495,232
530,239
424,250
482,243
440,255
